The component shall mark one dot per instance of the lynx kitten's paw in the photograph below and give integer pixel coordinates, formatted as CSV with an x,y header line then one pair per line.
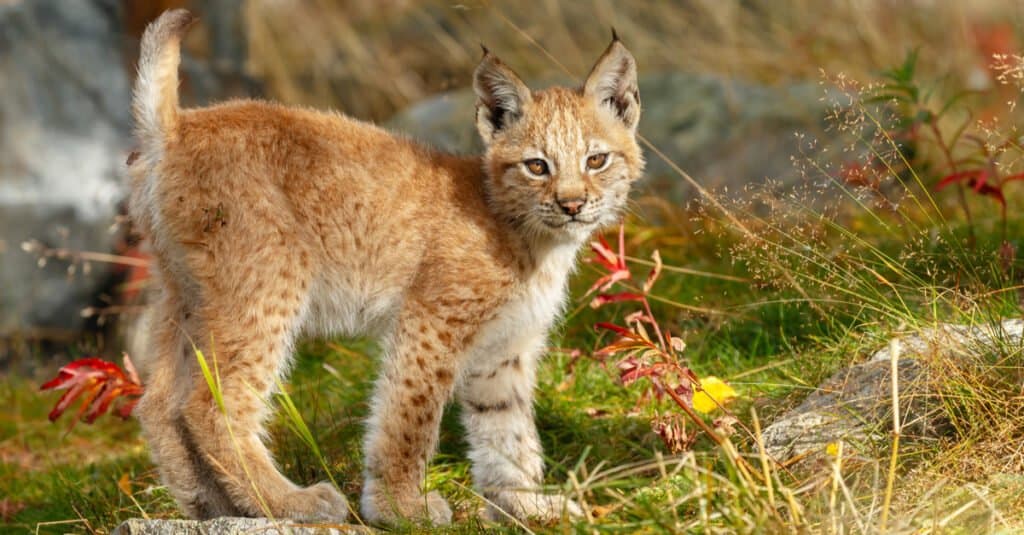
x,y
533,506
438,510
316,503
385,510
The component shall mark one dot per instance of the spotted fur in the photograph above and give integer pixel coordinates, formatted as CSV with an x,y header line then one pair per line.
x,y
268,222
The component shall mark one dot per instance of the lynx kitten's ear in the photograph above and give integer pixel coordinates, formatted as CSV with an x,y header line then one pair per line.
x,y
501,96
612,82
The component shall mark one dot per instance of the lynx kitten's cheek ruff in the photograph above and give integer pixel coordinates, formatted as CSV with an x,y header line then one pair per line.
x,y
268,223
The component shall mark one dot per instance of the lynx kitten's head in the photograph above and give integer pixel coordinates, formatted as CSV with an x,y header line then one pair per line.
x,y
560,161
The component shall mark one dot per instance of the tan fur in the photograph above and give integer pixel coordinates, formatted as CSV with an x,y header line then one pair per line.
x,y
269,222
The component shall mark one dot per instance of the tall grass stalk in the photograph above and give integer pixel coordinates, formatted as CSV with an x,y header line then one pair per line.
x,y
213,383
298,426
894,357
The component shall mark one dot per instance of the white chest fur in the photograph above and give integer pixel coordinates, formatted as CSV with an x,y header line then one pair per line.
x,y
520,325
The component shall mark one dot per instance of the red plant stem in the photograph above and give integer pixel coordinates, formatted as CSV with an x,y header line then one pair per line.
x,y
666,350
657,330
948,154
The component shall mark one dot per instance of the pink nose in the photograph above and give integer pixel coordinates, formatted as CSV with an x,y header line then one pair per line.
x,y
572,206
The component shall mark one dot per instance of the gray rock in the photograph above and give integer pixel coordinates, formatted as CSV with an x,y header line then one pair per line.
x,y
724,133
854,405
957,339
232,526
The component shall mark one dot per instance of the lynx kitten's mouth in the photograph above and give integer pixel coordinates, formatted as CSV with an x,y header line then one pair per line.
x,y
568,223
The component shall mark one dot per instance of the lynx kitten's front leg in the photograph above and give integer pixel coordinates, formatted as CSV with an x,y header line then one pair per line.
x,y
417,379
497,411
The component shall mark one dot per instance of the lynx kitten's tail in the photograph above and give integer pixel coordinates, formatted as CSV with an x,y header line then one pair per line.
x,y
155,98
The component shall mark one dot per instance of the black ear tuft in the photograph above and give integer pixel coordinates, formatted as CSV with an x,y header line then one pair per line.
x,y
501,96
612,82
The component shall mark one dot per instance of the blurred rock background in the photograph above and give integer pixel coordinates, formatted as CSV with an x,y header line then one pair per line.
x,y
65,81
728,89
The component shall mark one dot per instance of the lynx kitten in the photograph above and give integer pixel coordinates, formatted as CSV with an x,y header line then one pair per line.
x,y
268,223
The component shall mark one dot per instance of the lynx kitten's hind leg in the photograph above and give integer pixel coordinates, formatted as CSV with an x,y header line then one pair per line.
x,y
248,323
188,476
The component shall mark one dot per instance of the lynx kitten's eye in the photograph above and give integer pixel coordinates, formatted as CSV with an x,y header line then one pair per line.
x,y
537,167
597,161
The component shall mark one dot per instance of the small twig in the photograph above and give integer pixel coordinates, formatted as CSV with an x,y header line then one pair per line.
x,y
112,310
62,253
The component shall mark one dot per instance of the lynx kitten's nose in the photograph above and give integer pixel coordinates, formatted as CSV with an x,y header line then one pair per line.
x,y
572,206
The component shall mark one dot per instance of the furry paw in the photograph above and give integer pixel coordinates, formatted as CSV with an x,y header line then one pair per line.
x,y
384,509
438,510
316,503
532,506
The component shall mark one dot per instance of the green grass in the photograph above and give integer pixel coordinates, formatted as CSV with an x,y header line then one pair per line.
x,y
585,419
758,336
58,474
771,351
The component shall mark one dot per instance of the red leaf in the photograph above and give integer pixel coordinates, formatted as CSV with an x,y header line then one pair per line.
x,y
990,191
604,299
98,384
685,392
655,272
125,410
631,369
64,401
637,317
620,346
606,282
957,177
627,369
604,255
977,180
72,370
101,404
612,327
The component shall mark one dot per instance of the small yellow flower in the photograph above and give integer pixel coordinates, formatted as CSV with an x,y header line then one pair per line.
x,y
713,390
832,449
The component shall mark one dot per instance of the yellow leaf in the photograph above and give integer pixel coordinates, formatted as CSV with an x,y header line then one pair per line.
x,y
712,390
125,484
